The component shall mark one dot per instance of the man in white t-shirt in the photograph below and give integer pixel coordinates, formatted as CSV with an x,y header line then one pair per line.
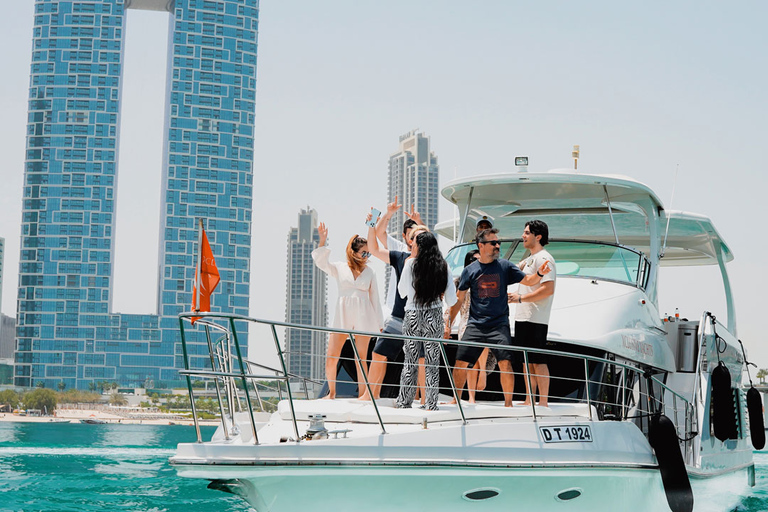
x,y
534,304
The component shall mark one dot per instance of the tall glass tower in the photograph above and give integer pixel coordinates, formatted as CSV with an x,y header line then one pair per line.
x,y
414,179
306,301
66,328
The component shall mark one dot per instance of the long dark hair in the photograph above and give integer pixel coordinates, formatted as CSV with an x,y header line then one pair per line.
x,y
430,271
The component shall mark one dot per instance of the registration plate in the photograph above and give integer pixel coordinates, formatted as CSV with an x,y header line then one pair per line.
x,y
566,434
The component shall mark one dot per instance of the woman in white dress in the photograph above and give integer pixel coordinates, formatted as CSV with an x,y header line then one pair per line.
x,y
358,307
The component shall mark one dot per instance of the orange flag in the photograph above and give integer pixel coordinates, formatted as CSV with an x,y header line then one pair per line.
x,y
209,277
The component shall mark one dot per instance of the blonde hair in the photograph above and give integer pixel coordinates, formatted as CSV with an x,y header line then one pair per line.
x,y
418,228
355,262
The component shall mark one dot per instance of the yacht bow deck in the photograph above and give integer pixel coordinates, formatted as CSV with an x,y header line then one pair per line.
x,y
358,411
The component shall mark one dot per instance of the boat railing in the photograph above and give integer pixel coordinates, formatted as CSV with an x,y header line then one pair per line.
x,y
612,390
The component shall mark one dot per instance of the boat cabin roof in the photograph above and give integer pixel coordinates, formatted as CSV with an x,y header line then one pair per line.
x,y
575,206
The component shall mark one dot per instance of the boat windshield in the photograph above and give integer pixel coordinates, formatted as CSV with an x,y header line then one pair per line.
x,y
573,258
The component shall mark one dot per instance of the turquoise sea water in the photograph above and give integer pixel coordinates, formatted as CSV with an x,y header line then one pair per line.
x,y
105,468
89,468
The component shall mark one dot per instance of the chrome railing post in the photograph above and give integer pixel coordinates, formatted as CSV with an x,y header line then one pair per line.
x,y
244,379
189,380
674,408
216,382
453,385
256,390
367,384
287,382
527,373
586,388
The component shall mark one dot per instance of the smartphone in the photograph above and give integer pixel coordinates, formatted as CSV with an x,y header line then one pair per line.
x,y
375,214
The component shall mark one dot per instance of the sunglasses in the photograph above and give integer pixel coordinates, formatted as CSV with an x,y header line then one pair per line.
x,y
365,255
494,243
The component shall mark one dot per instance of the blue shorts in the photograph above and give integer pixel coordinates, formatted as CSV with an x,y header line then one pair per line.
x,y
499,335
390,347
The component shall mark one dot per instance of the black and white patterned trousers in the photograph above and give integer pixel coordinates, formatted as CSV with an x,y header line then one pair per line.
x,y
424,323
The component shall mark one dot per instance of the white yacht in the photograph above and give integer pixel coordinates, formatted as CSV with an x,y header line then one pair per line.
x,y
631,422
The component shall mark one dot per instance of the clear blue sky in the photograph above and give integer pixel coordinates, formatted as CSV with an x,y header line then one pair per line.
x,y
641,87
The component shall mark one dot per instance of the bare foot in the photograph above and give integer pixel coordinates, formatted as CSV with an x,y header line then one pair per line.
x,y
365,397
329,396
527,402
472,400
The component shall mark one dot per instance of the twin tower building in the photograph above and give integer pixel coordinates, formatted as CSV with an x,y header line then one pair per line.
x,y
66,330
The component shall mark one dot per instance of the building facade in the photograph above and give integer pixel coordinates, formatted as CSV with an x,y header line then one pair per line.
x,y
414,179
7,347
2,267
306,300
66,328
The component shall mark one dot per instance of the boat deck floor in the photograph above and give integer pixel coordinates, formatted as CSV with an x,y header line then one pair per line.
x,y
358,411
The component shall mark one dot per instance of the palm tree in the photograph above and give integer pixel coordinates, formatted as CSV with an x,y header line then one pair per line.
x,y
61,385
762,374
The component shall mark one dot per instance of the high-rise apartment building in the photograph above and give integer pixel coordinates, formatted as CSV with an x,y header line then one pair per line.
x,y
2,267
66,328
414,179
305,300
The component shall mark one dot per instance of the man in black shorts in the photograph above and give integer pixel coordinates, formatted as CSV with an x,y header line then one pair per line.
x,y
487,280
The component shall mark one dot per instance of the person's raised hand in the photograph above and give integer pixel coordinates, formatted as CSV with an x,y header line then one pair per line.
x,y
393,207
323,232
414,215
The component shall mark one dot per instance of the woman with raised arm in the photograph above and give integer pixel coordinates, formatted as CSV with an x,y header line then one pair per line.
x,y
426,279
358,307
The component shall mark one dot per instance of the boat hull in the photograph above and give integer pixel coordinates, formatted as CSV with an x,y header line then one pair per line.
x,y
418,488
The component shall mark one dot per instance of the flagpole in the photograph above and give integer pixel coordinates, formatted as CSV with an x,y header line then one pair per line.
x,y
199,270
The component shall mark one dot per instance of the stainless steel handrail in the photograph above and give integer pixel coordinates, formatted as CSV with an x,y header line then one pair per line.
x,y
653,405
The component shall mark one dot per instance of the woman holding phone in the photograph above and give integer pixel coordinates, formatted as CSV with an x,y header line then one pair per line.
x,y
426,279
358,307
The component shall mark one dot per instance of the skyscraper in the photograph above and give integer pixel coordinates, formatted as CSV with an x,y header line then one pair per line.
x,y
66,328
2,265
305,300
414,179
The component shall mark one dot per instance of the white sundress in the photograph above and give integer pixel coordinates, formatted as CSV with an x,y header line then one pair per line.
x,y
358,306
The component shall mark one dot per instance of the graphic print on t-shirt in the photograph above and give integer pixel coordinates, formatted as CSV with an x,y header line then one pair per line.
x,y
488,285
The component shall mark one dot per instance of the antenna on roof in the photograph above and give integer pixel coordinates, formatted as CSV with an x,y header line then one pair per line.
x,y
666,232
575,155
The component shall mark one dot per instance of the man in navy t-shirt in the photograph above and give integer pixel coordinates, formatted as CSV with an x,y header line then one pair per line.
x,y
487,280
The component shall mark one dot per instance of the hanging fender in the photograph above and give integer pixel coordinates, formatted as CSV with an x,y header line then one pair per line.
x,y
723,412
664,441
756,421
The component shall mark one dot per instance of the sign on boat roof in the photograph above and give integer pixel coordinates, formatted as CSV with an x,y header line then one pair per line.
x,y
576,206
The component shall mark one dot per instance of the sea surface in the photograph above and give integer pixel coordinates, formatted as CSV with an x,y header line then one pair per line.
x,y
105,468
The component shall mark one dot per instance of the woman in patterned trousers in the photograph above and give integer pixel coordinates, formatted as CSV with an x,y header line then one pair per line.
x,y
424,281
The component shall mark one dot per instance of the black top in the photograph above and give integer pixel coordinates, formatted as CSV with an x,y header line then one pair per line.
x,y
397,260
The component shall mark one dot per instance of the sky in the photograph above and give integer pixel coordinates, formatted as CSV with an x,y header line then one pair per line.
x,y
670,94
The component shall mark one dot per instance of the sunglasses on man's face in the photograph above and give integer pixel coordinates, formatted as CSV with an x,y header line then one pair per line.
x,y
494,243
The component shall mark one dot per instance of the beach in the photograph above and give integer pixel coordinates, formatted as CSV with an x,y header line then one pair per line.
x,y
76,415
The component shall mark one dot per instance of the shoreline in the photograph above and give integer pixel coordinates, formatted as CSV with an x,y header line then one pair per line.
x,y
75,415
